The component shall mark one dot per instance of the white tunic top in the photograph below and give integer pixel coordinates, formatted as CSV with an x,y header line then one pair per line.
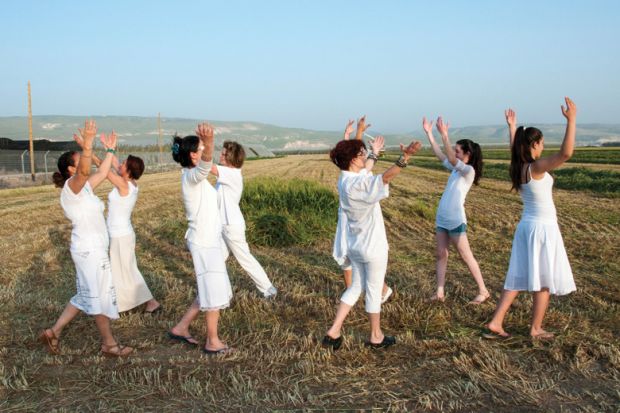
x,y
200,199
451,210
360,194
85,211
119,211
229,188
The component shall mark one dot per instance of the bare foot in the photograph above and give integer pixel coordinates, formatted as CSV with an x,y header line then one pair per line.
x,y
494,332
152,306
480,298
49,339
437,297
542,335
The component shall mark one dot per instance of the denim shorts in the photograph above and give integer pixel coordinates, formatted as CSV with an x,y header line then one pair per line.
x,y
461,229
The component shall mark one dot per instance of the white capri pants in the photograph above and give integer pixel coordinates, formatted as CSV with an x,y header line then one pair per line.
x,y
95,290
367,277
214,290
234,241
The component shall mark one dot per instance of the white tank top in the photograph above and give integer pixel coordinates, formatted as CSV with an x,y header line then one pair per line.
x,y
538,200
85,211
119,211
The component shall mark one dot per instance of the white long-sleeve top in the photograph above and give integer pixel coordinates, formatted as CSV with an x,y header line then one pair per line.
x,y
200,199
229,187
360,194
451,209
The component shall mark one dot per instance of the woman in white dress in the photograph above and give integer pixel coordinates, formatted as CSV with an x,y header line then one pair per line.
x,y
131,289
538,262
229,187
204,238
465,163
89,243
367,247
339,251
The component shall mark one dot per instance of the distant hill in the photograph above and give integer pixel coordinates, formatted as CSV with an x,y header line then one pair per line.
x,y
139,131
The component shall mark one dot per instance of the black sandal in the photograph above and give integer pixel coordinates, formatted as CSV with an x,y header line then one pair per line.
x,y
334,343
387,342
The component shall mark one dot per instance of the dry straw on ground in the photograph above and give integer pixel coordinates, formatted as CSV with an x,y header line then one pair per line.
x,y
439,364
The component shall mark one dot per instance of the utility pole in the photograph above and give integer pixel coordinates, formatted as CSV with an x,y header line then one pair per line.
x,y
159,141
30,133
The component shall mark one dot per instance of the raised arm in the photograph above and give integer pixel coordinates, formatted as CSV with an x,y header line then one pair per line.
x,y
551,162
511,120
109,144
348,130
428,129
447,146
407,152
361,127
78,139
375,148
205,132
77,181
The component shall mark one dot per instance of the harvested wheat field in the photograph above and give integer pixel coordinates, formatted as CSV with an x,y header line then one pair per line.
x,y
440,363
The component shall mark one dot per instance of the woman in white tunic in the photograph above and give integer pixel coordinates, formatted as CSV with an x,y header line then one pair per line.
x,y
465,163
538,262
204,238
131,289
229,187
89,243
339,251
367,247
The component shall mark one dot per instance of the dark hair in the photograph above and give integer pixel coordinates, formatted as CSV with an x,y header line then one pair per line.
x,y
521,152
475,156
135,167
345,151
235,154
182,147
64,162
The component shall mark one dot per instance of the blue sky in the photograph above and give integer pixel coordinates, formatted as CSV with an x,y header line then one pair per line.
x,y
313,64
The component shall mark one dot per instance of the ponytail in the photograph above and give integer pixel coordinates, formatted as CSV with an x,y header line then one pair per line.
x,y
475,156
64,162
182,147
521,153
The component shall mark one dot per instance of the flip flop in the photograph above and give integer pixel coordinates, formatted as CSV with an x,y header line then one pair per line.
x,y
479,299
52,343
334,343
117,350
183,339
225,350
492,335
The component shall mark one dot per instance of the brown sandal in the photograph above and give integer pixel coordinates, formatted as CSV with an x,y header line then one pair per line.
x,y
50,341
116,350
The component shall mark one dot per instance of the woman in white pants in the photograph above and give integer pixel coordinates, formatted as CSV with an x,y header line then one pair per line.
x,y
89,243
367,247
339,251
229,188
204,238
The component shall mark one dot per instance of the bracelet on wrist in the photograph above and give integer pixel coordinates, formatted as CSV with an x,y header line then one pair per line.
x,y
110,150
401,162
373,156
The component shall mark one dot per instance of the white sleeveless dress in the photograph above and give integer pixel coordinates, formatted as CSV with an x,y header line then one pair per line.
x,y
131,289
538,258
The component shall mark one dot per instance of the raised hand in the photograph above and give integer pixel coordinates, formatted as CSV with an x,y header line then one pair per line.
x,y
78,140
442,127
570,111
205,132
108,141
377,145
361,127
427,126
410,149
89,132
349,129
511,117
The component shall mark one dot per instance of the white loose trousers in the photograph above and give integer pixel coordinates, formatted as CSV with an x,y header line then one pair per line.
x,y
368,277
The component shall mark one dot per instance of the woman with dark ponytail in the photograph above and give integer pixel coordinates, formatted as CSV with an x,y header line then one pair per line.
x,y
204,239
465,162
538,262
89,242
